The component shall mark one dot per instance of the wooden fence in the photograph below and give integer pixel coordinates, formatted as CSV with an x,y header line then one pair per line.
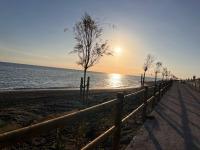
x,y
14,136
194,83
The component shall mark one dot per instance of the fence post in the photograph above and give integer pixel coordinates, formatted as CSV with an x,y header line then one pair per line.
x,y
163,87
81,87
88,85
159,91
118,118
155,98
195,84
199,84
166,86
145,97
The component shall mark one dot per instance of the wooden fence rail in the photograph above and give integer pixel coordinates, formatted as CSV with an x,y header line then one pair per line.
x,y
59,122
194,83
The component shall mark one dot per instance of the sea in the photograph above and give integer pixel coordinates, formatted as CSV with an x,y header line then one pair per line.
x,y
21,76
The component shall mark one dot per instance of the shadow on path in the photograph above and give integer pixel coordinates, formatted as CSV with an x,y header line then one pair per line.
x,y
176,123
188,138
154,125
188,90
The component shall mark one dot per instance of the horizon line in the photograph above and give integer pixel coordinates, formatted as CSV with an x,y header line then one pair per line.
x,y
68,68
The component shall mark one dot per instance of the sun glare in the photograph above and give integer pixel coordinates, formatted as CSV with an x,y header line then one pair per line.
x,y
115,80
117,50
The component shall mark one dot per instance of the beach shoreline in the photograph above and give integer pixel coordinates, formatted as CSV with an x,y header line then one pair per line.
x,y
63,89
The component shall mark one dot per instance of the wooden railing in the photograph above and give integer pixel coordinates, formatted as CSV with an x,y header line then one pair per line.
x,y
194,84
11,137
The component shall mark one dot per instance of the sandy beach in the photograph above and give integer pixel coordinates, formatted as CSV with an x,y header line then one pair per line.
x,y
23,108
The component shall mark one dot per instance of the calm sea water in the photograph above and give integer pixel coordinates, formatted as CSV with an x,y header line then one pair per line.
x,y
19,76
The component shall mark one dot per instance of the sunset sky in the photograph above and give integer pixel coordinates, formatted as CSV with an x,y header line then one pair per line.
x,y
32,32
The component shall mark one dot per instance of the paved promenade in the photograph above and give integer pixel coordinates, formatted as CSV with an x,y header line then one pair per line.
x,y
176,125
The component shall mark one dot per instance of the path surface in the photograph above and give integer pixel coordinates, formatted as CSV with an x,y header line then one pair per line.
x,y
176,125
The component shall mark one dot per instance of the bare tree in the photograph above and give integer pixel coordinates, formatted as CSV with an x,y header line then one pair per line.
x,y
172,76
157,70
89,46
164,72
168,73
148,63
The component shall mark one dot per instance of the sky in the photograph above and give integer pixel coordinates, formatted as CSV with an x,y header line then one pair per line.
x,y
32,32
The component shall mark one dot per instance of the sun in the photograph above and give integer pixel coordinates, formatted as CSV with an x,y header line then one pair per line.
x,y
117,50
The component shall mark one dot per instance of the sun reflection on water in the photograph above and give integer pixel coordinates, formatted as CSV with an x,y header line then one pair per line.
x,y
115,80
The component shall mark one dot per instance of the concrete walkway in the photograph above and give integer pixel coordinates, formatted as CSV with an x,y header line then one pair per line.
x,y
176,125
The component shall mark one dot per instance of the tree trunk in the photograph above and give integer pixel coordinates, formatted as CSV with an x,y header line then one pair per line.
x,y
84,83
155,78
144,77
141,80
